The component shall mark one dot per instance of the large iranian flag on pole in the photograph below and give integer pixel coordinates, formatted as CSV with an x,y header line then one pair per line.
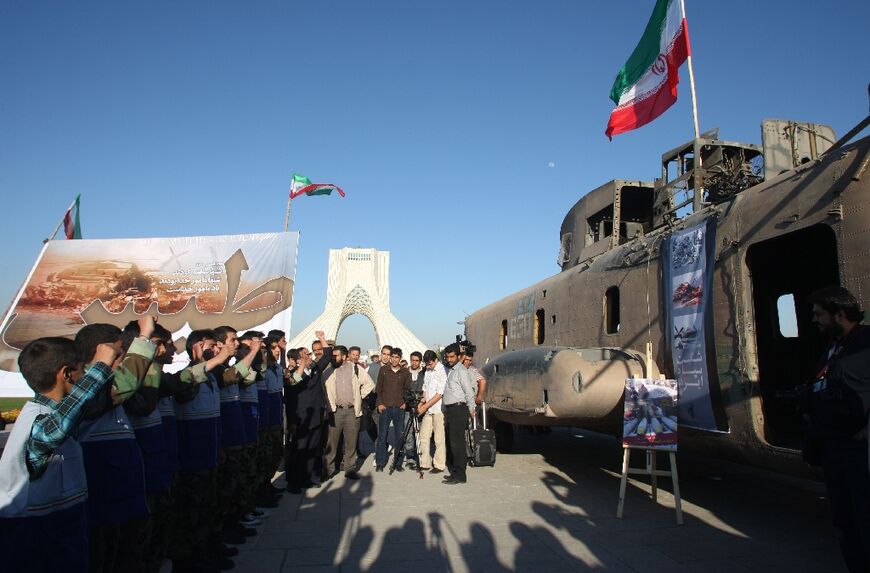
x,y
72,227
301,185
647,84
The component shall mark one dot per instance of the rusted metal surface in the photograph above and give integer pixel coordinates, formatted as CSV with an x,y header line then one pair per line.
x,y
791,233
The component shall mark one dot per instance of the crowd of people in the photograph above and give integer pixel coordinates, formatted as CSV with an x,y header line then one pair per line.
x,y
119,463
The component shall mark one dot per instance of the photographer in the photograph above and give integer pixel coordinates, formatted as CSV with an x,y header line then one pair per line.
x,y
345,389
432,424
416,371
393,382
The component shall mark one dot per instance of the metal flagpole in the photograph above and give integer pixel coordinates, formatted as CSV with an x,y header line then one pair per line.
x,y
697,184
691,74
287,213
59,225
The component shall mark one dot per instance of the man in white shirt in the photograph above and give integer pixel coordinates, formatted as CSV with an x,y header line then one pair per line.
x,y
433,419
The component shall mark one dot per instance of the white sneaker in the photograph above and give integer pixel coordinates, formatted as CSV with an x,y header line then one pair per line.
x,y
260,513
250,521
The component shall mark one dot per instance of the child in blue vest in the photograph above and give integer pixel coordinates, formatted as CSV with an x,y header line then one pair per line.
x,y
113,462
42,476
233,437
274,376
265,498
198,424
147,421
249,398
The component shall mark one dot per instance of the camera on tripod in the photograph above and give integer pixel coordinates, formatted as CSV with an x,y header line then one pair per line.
x,y
412,399
465,344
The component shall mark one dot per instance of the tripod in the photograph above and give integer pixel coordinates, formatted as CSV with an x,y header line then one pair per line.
x,y
412,427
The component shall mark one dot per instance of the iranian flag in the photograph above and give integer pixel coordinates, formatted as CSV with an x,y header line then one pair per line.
x,y
302,185
71,226
647,84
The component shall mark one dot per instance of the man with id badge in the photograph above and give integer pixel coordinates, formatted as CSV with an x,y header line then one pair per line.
x,y
836,411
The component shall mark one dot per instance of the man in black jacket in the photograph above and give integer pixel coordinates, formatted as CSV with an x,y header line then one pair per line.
x,y
838,401
305,404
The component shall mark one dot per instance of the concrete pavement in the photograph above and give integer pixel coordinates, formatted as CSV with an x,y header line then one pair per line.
x,y
551,508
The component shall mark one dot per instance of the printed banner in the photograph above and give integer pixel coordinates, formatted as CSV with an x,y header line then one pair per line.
x,y
651,410
688,273
243,281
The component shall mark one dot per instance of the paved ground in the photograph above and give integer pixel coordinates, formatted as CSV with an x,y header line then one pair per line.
x,y
547,509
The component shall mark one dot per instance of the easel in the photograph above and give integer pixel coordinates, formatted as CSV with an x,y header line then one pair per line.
x,y
653,472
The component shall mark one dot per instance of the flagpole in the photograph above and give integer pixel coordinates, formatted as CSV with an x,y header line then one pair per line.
x,y
691,74
287,213
59,225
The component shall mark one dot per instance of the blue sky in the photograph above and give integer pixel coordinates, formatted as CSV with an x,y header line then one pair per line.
x,y
461,131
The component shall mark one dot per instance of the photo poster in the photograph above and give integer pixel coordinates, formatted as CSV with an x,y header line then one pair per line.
x,y
191,283
687,262
651,413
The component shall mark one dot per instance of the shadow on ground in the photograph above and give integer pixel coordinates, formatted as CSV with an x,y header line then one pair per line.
x,y
550,508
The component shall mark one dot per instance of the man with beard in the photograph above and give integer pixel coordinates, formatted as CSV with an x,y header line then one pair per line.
x,y
838,400
305,417
345,388
317,349
458,402
369,406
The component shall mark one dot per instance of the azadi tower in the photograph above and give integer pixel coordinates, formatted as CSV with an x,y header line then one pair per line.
x,y
359,283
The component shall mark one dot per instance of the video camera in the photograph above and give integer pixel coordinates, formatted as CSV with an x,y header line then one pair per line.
x,y
465,344
412,399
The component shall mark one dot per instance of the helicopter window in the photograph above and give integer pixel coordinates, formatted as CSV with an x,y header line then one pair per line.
x,y
502,337
539,326
611,310
599,226
787,316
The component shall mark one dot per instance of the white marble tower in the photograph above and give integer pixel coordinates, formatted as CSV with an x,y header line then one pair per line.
x,y
359,283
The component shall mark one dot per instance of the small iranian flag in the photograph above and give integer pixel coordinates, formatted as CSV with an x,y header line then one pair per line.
x,y
647,84
71,226
302,185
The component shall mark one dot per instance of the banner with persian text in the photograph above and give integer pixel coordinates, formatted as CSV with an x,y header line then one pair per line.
x,y
687,261
243,281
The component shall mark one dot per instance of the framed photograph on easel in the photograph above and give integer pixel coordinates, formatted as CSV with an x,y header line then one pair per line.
x,y
650,416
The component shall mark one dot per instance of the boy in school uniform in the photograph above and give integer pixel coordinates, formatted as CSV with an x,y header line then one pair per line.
x,y
113,460
265,497
172,391
147,422
43,486
246,510
199,435
275,384
229,485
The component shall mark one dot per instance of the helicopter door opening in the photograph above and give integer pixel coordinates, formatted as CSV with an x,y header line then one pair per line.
x,y
785,271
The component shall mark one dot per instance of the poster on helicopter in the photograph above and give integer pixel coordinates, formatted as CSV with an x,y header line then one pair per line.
x,y
651,413
687,259
190,283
